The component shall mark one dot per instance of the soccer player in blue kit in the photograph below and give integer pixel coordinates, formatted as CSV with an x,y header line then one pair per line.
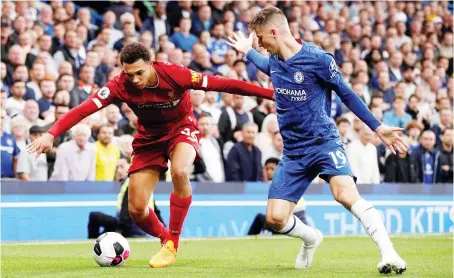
x,y
304,77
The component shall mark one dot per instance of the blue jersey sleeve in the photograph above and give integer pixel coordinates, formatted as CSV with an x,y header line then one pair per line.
x,y
333,79
260,61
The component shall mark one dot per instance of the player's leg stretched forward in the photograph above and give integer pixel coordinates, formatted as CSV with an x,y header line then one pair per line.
x,y
280,217
141,185
181,158
345,192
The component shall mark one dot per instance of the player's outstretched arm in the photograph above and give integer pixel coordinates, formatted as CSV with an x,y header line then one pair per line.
x,y
66,122
328,72
186,79
244,45
232,86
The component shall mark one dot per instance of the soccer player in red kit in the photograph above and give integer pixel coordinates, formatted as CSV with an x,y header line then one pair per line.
x,y
158,93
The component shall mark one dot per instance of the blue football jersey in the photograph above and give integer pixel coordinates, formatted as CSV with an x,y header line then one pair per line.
x,y
303,98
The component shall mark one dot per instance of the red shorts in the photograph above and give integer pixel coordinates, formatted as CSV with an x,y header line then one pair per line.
x,y
148,152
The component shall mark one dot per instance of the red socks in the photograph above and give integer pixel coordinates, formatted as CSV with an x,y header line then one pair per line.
x,y
178,209
153,226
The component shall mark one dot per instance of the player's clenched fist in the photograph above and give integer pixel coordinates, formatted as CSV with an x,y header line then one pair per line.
x,y
41,145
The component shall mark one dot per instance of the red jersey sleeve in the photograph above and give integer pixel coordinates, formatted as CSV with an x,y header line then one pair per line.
x,y
105,96
189,79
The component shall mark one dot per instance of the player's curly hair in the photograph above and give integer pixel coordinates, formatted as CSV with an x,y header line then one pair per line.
x,y
265,16
133,52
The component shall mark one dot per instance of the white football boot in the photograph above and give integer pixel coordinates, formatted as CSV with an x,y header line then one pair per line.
x,y
391,261
307,251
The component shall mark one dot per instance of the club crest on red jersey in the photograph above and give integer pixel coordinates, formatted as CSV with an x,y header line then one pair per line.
x,y
103,93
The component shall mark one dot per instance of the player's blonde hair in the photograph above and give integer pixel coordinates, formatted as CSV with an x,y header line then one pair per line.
x,y
267,15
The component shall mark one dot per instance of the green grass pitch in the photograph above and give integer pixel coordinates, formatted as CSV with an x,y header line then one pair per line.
x,y
426,256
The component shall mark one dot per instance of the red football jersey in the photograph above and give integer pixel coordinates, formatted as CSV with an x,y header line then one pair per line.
x,y
162,108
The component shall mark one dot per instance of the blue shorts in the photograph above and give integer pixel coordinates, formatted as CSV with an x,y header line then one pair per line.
x,y
294,174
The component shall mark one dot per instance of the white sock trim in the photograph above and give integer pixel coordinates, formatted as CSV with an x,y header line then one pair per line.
x,y
360,207
291,223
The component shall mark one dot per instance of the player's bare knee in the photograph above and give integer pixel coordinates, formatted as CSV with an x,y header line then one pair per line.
x,y
136,210
179,175
344,197
276,220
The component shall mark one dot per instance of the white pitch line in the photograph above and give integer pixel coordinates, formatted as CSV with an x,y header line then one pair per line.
x,y
392,203
261,237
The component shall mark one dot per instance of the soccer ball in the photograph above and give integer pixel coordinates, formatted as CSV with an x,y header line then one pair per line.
x,y
111,249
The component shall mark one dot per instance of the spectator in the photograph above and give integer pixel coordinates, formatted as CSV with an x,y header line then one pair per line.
x,y
446,158
51,155
107,154
61,98
217,45
184,39
395,66
31,114
76,159
15,103
125,144
104,38
401,168
210,105
414,130
70,52
343,126
178,10
273,150
201,61
232,119
128,123
260,112
109,20
409,81
269,168
48,90
37,73
428,159
101,70
397,116
211,150
129,31
87,80
158,24
202,21
197,98
413,107
6,122
9,151
30,168
446,48
176,56
269,127
113,117
385,87
229,59
362,155
244,159
21,74
445,122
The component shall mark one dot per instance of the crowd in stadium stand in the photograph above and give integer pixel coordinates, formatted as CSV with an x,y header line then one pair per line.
x,y
397,56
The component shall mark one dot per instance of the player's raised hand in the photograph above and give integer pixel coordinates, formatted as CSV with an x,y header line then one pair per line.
x,y
41,145
240,42
390,136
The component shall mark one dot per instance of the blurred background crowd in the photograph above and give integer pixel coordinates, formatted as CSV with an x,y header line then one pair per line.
x,y
397,56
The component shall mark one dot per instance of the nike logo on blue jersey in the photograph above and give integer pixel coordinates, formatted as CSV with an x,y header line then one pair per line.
x,y
273,71
342,166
